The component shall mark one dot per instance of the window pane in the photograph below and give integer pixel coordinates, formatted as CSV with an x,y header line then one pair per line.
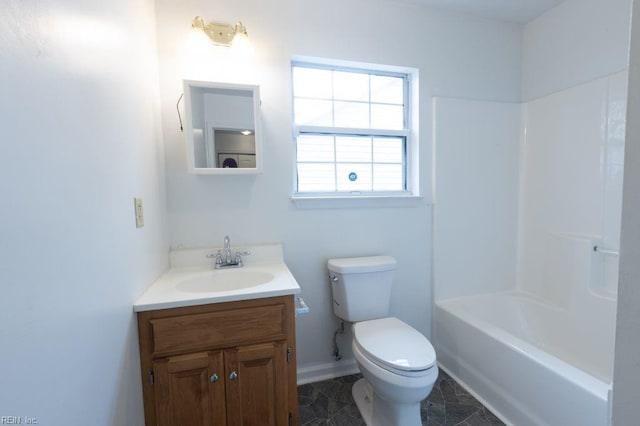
x,y
353,149
388,177
349,86
350,114
354,177
330,159
313,112
387,90
387,117
388,150
316,177
315,148
311,83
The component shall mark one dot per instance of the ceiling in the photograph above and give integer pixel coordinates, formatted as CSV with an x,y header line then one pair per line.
x,y
520,11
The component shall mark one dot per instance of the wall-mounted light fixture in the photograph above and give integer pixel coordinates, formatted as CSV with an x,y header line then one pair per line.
x,y
222,34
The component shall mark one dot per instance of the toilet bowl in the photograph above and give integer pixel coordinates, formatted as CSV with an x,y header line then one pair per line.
x,y
397,362
399,370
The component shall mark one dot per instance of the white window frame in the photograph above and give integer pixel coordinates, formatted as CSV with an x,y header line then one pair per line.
x,y
410,196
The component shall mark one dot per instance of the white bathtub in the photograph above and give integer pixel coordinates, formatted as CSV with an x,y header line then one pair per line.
x,y
531,363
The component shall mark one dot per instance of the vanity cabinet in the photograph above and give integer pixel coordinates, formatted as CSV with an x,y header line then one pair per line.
x,y
229,363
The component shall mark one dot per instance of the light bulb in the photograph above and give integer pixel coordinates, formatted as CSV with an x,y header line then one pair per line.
x,y
240,43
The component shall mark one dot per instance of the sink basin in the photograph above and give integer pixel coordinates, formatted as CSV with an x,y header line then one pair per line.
x,y
215,281
192,281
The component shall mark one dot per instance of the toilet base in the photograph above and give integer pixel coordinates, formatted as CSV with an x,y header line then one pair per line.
x,y
363,396
376,411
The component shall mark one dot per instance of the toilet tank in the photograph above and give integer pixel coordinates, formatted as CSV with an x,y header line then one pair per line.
x,y
361,286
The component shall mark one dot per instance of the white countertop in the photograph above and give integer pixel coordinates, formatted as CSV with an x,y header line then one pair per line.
x,y
192,263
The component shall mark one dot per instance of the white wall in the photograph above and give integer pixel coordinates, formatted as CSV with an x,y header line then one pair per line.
x,y
477,150
79,114
626,368
458,56
574,43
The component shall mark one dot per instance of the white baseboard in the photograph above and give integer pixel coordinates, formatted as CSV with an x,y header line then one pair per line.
x,y
331,370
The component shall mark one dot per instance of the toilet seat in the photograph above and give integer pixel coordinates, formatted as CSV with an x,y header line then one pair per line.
x,y
395,346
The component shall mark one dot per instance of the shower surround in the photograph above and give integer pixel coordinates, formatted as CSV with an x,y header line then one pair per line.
x,y
529,324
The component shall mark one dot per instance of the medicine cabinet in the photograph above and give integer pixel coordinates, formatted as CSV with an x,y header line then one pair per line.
x,y
222,128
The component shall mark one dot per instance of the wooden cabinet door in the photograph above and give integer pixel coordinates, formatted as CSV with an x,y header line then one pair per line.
x,y
257,390
189,390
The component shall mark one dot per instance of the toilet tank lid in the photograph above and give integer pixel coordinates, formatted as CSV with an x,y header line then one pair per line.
x,y
351,265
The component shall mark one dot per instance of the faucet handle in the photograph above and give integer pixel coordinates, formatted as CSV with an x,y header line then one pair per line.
x,y
218,257
239,255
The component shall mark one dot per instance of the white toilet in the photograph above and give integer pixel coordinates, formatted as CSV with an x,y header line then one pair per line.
x,y
398,363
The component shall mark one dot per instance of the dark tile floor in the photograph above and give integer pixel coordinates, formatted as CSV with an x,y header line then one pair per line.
x,y
329,403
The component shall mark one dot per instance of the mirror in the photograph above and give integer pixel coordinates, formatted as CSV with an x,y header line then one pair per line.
x,y
222,128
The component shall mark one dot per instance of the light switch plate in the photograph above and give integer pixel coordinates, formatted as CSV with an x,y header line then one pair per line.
x,y
137,202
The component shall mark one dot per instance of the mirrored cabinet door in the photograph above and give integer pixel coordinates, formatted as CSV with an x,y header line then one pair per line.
x,y
222,128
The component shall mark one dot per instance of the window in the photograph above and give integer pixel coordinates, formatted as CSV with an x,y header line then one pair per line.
x,y
352,131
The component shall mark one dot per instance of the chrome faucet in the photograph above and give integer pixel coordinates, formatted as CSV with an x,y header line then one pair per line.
x,y
227,249
224,259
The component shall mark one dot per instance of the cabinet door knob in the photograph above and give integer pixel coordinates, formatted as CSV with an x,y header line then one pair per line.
x,y
213,378
233,375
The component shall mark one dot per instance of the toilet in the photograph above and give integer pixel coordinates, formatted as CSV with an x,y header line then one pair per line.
x,y
397,362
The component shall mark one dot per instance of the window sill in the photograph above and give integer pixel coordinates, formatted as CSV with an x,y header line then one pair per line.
x,y
367,201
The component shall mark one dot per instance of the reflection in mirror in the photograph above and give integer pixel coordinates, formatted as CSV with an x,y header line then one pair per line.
x,y
235,148
222,128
